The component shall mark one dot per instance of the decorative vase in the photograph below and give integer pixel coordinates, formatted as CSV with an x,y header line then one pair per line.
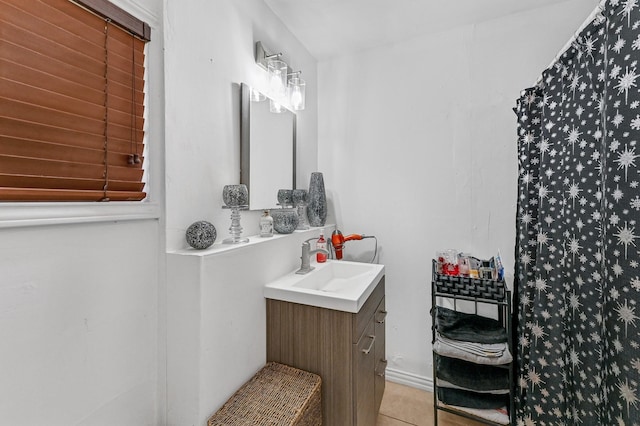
x,y
201,235
317,200
285,221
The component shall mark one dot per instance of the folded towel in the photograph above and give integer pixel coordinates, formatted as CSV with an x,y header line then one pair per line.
x,y
468,399
455,373
444,384
452,349
469,327
492,350
496,415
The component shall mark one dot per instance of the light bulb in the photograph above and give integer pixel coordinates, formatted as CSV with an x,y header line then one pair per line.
x,y
256,96
295,92
296,98
277,77
275,107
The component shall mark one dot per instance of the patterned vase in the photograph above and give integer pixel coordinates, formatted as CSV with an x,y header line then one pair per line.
x,y
285,221
317,200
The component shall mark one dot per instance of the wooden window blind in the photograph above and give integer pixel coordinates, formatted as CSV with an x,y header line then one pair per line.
x,y
71,101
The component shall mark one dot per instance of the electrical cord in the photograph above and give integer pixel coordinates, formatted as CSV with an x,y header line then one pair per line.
x,y
375,253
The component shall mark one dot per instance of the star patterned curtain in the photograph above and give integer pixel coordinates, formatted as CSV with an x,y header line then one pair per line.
x,y
577,262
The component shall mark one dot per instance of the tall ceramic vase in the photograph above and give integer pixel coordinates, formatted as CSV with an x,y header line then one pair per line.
x,y
317,200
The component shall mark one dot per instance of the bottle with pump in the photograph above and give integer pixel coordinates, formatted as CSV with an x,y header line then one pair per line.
x,y
266,225
321,244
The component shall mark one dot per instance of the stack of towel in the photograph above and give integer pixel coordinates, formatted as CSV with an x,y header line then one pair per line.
x,y
472,354
470,337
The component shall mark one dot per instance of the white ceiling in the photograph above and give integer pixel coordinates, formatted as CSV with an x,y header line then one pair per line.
x,y
335,27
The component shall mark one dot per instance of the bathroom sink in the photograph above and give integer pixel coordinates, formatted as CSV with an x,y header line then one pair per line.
x,y
335,284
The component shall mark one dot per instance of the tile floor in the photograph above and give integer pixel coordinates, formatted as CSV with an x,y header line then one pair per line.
x,y
404,405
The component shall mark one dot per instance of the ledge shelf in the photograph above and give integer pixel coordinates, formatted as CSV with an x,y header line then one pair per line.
x,y
220,247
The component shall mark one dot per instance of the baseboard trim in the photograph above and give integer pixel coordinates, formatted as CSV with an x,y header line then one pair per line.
x,y
409,379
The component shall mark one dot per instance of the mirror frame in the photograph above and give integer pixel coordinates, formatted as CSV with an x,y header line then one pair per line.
x,y
245,144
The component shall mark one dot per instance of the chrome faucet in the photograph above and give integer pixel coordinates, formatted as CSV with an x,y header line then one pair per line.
x,y
306,267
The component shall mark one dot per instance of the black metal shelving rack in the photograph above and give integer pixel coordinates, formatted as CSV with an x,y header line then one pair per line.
x,y
480,292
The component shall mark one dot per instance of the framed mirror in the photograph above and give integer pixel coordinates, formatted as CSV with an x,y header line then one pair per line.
x,y
267,150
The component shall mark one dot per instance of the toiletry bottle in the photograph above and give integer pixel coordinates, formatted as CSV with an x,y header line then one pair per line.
x,y
266,225
321,244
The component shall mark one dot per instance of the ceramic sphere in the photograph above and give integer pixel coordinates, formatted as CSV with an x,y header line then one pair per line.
x,y
201,235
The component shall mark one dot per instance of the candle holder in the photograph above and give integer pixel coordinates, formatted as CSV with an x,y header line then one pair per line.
x,y
285,198
236,228
235,195
236,198
300,201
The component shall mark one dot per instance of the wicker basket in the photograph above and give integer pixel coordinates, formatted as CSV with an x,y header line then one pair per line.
x,y
278,395
469,287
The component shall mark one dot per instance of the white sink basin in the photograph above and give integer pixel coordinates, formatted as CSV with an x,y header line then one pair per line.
x,y
335,284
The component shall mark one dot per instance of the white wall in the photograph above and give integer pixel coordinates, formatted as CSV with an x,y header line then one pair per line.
x,y
78,324
209,52
418,142
79,300
216,320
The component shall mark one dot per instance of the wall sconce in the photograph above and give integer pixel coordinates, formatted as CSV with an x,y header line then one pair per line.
x,y
282,82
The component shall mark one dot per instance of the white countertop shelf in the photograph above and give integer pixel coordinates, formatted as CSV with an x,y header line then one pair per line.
x,y
220,247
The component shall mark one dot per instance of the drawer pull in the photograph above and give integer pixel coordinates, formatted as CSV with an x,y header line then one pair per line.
x,y
373,339
384,317
384,363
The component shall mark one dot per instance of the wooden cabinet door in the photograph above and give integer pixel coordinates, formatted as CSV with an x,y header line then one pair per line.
x,y
364,377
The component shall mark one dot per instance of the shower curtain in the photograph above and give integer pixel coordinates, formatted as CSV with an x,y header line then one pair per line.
x,y
577,283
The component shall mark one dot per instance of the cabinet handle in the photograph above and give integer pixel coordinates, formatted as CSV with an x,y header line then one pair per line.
x,y
384,317
373,339
383,361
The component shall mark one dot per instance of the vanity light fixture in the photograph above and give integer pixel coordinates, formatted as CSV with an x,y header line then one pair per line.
x,y
284,85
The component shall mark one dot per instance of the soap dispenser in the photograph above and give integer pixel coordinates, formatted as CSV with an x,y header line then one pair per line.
x,y
266,225
321,244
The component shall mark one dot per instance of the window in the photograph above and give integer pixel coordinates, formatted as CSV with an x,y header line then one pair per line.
x,y
71,101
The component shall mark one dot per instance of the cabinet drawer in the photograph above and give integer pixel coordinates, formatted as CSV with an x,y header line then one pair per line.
x,y
367,311
364,379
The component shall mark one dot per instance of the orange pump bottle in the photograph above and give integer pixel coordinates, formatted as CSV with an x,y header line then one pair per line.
x,y
321,244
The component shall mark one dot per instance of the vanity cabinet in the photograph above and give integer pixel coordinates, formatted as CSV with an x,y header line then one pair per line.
x,y
346,349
